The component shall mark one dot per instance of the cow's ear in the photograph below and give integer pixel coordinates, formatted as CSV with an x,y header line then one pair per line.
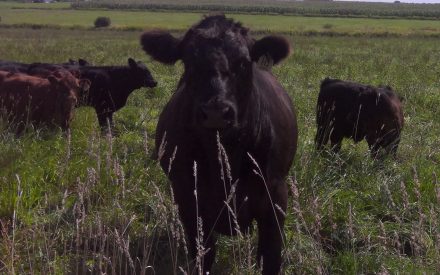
x,y
162,46
83,62
273,47
132,63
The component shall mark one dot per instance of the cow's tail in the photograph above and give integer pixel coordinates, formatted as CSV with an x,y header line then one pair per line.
x,y
323,115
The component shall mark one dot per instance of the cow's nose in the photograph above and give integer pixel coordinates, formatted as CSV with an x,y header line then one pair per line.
x,y
219,116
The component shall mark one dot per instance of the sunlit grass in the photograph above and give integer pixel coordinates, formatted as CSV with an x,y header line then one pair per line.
x,y
80,200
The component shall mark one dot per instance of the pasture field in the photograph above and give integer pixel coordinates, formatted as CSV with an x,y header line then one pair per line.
x,y
18,14
88,202
303,8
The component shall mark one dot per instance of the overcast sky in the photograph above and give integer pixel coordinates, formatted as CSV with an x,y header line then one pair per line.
x,y
403,1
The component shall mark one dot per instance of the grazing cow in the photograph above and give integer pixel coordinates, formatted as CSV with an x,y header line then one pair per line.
x,y
226,116
13,67
352,110
110,88
28,99
45,69
18,67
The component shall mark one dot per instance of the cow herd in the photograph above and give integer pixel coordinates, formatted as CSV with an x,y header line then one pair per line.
x,y
227,137
29,94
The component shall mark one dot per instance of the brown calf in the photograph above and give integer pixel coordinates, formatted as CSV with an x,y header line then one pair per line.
x,y
28,99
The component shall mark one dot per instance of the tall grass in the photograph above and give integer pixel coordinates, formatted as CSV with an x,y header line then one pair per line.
x,y
96,203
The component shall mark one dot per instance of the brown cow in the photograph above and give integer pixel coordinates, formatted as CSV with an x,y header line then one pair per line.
x,y
110,85
28,99
352,110
226,116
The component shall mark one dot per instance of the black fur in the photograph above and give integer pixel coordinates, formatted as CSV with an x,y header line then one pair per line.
x,y
352,110
222,90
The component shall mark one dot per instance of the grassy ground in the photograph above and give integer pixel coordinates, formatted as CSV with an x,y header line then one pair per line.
x,y
91,203
139,20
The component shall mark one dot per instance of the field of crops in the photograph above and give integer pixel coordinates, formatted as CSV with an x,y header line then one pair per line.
x,y
24,15
303,8
90,202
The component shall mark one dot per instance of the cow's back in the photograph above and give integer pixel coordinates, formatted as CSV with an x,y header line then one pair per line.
x,y
33,99
14,67
21,94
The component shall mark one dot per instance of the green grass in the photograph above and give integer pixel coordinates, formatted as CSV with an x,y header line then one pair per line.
x,y
21,5
139,20
78,202
65,193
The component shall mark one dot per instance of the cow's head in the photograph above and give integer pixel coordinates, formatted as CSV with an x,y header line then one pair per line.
x,y
68,83
66,90
140,74
219,58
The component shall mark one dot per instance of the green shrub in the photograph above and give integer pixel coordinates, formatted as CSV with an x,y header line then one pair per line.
x,y
101,22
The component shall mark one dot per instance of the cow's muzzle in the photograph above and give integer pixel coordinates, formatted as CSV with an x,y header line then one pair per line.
x,y
216,115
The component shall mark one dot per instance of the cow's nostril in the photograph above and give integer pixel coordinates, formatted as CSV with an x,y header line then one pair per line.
x,y
227,113
215,116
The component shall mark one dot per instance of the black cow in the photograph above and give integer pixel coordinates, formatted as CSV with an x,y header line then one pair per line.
x,y
13,67
352,110
226,116
44,69
18,67
110,88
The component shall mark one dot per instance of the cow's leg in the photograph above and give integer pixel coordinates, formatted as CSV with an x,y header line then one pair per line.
x,y
201,241
325,120
65,123
391,143
270,220
336,140
105,120
392,148
374,143
198,228
321,137
20,127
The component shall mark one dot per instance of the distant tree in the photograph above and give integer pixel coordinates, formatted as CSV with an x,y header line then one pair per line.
x,y
396,2
102,22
